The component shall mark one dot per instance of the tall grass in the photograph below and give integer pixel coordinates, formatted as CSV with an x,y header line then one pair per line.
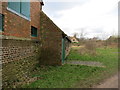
x,y
89,48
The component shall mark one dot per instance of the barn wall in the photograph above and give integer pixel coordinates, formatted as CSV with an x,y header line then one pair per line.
x,y
19,57
67,47
16,36
13,24
51,42
20,51
16,26
13,50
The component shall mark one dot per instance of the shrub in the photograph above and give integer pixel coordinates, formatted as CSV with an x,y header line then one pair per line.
x,y
89,48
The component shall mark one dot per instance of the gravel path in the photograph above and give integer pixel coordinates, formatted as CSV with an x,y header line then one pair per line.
x,y
88,63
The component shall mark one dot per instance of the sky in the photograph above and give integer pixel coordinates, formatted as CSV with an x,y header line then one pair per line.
x,y
93,18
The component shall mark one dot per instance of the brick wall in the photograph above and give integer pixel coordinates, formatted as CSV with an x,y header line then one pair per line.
x,y
19,58
51,42
35,17
17,26
17,73
18,49
18,46
16,29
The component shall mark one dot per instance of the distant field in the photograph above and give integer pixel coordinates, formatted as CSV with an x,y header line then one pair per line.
x,y
72,76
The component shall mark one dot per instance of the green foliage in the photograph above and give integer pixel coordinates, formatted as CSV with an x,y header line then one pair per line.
x,y
106,56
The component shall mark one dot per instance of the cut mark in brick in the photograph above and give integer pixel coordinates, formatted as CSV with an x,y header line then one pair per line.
x,y
87,63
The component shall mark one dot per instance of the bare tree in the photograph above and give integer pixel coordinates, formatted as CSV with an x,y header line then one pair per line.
x,y
75,35
82,33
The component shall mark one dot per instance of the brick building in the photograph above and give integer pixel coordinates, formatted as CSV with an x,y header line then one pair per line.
x,y
28,38
20,39
55,43
21,23
74,40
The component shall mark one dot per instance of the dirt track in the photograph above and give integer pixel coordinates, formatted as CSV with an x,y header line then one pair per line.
x,y
109,83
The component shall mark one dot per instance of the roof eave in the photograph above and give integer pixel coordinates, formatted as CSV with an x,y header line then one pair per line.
x,y
42,3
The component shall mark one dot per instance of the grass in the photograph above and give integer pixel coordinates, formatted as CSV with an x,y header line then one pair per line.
x,y
108,56
72,76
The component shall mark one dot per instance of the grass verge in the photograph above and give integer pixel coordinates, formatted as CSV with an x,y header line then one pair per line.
x,y
72,76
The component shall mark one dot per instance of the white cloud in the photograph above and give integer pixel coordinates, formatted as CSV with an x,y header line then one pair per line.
x,y
93,15
65,0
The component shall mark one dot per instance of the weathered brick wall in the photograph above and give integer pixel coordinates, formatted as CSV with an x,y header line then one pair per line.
x,y
18,49
17,73
19,58
17,26
16,29
35,17
51,42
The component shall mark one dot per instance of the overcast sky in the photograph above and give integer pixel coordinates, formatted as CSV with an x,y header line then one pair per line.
x,y
96,18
